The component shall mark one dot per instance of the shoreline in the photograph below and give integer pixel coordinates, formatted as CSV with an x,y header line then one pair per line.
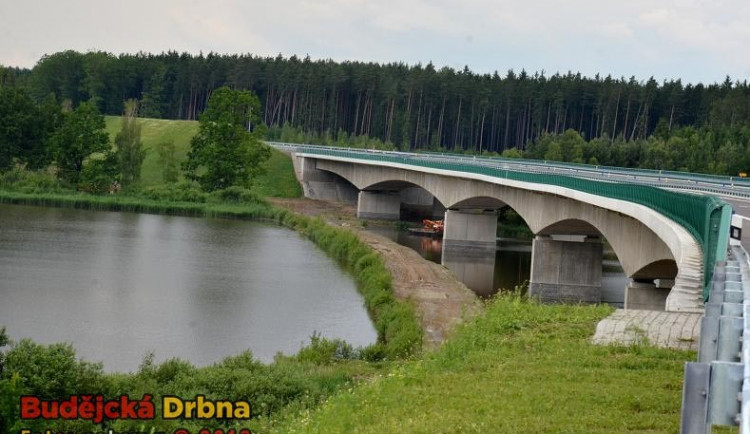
x,y
440,300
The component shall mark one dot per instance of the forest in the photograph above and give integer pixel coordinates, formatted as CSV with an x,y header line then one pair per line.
x,y
599,120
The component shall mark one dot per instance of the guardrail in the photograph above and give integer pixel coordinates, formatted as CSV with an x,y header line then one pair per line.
x,y
732,186
717,387
704,216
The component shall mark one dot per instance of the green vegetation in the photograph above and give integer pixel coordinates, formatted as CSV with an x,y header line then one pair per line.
x,y
419,107
289,385
277,179
153,133
522,367
224,153
81,134
130,153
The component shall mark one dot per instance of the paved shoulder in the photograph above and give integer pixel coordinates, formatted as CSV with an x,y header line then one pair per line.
x,y
663,329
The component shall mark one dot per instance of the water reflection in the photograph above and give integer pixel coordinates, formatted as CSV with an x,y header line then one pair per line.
x,y
502,269
118,285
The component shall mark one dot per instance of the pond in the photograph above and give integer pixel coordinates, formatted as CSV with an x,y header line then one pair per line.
x,y
120,285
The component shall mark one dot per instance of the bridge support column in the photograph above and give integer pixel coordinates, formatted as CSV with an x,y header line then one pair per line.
x,y
472,230
647,295
379,205
566,269
469,248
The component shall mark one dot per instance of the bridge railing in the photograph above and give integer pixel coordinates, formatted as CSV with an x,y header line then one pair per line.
x,y
726,181
716,390
705,183
705,217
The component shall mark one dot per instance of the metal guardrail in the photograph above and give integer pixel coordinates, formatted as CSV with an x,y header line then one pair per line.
x,y
702,215
717,387
732,186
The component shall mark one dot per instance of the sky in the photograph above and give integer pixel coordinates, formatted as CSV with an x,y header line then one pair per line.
x,y
692,40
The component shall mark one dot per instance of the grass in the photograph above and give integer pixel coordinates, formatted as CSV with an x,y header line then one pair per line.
x,y
153,132
521,368
277,181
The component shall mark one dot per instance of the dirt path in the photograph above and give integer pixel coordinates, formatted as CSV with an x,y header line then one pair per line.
x,y
440,300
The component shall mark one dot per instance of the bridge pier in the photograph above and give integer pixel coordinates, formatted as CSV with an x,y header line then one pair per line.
x,y
469,247
379,205
420,202
566,268
651,295
475,230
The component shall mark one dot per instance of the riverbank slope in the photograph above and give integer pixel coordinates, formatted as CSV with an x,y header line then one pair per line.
x,y
440,300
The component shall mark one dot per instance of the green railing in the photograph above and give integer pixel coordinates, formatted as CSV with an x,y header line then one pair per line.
x,y
702,215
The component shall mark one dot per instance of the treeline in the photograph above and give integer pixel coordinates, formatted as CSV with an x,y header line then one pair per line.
x,y
722,151
412,106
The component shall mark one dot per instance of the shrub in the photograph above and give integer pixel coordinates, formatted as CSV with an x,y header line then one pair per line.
x,y
180,192
236,194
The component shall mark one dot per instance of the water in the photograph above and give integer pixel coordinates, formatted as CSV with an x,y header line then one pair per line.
x,y
508,267
118,285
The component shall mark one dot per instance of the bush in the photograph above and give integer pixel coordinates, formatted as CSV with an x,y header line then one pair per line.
x,y
322,351
99,175
21,180
180,192
236,194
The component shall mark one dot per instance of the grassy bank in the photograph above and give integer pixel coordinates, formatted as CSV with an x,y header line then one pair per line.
x,y
153,132
520,368
277,181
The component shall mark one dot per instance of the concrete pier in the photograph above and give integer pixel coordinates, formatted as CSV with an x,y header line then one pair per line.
x,y
475,230
647,295
475,268
416,201
566,269
469,246
379,205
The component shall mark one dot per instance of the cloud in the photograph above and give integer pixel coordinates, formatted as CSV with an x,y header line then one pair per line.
x,y
698,40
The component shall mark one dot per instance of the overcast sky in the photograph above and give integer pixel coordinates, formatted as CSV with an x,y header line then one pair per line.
x,y
695,40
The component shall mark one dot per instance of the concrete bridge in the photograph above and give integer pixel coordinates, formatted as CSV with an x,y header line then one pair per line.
x,y
664,243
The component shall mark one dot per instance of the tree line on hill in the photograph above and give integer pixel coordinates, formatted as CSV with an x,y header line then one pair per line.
x,y
618,121
74,145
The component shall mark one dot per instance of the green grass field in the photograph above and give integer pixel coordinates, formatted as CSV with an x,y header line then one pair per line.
x,y
277,181
522,368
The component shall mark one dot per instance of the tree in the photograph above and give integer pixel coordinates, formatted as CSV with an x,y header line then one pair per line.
x,y
20,127
130,152
224,152
512,153
82,134
168,161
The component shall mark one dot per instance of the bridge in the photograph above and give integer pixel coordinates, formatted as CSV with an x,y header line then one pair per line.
x,y
667,240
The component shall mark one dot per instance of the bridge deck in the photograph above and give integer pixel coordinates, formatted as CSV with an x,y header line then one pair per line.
x,y
664,329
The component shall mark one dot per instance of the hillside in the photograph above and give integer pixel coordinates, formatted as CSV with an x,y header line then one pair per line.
x,y
278,181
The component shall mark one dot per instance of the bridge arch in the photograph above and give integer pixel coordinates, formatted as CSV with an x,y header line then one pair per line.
x,y
639,235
